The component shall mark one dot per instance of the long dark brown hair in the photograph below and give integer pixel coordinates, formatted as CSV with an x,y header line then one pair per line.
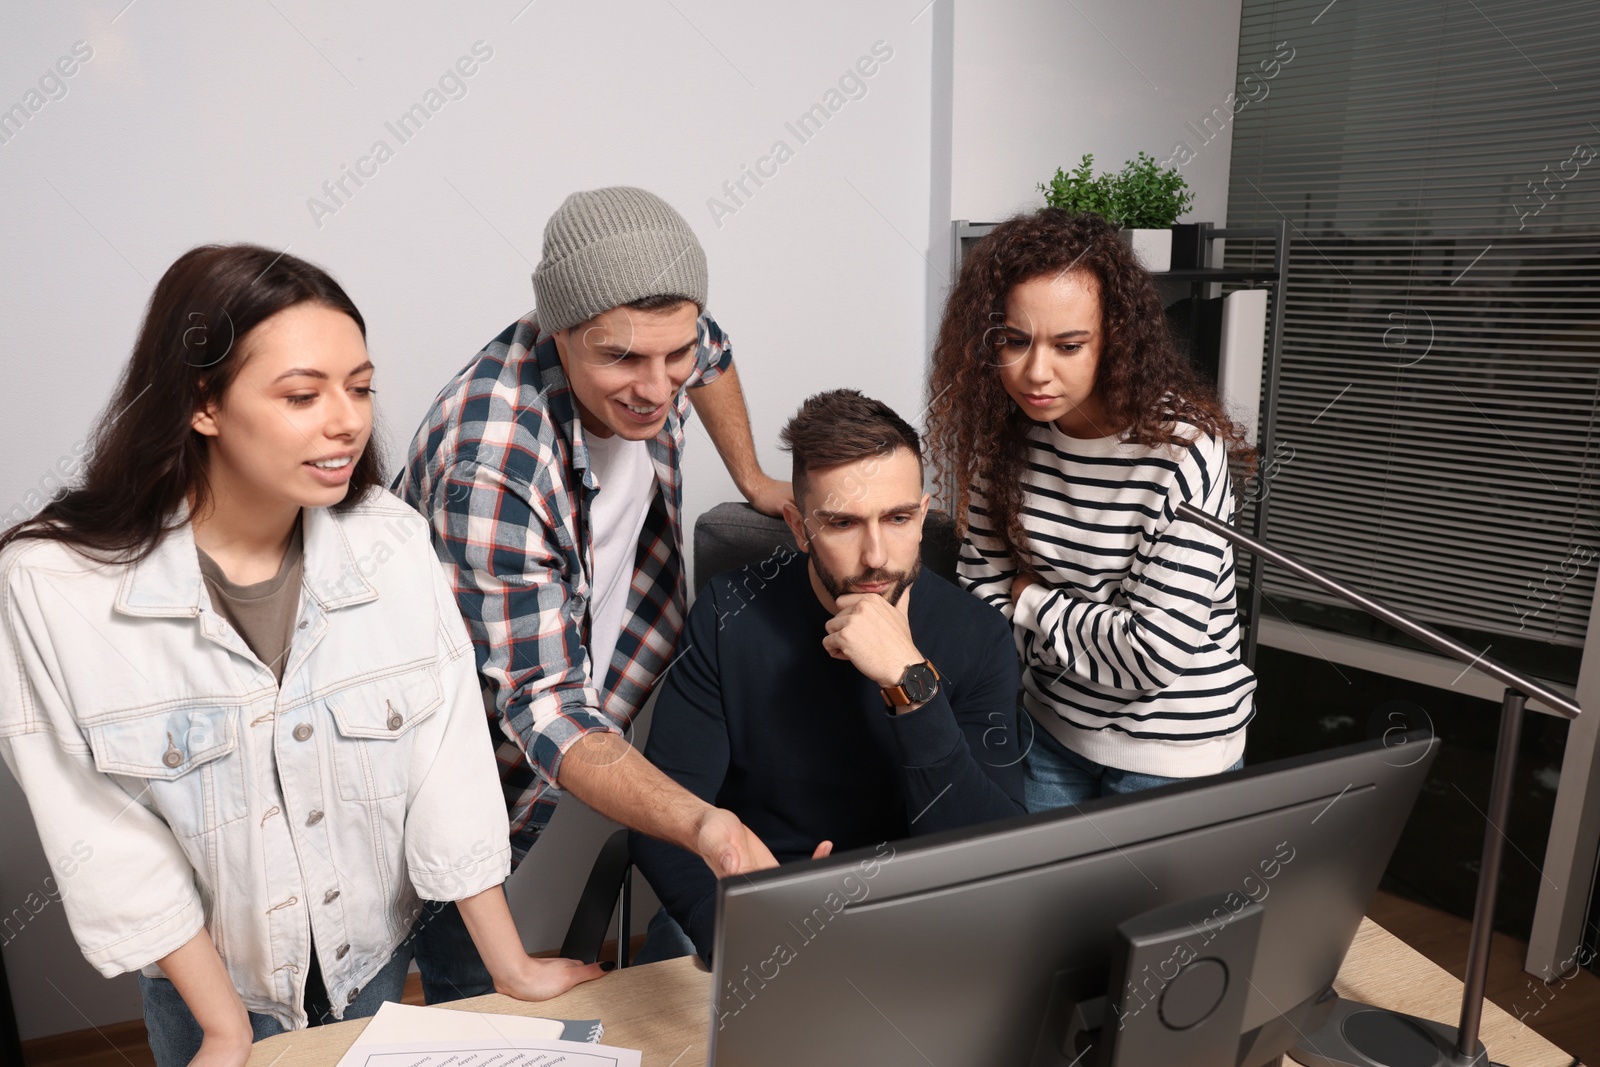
x,y
145,458
977,435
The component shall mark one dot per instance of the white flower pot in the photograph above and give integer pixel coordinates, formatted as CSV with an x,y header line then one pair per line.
x,y
1152,248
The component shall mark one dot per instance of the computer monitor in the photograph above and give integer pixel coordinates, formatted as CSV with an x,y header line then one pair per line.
x,y
999,944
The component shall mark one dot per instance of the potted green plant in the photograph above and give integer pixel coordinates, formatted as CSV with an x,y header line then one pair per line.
x,y
1080,190
1144,199
1148,199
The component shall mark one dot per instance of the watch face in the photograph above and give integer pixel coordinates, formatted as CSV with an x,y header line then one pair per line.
x,y
919,682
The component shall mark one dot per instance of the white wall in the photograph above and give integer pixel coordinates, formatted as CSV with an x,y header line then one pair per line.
x,y
1040,82
196,122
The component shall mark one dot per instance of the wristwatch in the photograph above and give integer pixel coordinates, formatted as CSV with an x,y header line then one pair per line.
x,y
917,685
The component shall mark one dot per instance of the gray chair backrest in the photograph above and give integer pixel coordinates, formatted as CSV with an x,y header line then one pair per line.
x,y
734,535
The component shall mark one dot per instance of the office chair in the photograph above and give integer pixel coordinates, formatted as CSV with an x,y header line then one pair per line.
x,y
609,879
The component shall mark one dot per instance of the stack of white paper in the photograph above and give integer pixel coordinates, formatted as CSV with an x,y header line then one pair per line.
x,y
403,1035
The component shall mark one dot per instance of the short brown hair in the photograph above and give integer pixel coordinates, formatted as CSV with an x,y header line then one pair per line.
x,y
660,302
842,426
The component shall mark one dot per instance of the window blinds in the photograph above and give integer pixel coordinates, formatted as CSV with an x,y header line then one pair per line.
x,y
1441,351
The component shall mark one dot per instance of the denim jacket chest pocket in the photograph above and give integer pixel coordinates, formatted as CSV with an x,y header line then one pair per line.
x,y
376,726
187,758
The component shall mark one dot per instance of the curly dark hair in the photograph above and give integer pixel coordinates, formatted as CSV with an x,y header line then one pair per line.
x,y
977,435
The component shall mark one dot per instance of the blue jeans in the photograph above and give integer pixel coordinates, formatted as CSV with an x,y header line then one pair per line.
x,y
447,960
1054,776
664,939
175,1035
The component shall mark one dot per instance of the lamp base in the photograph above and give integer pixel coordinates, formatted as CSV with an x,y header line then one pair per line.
x,y
1359,1035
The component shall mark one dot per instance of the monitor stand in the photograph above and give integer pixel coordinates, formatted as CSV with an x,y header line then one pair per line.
x,y
1177,988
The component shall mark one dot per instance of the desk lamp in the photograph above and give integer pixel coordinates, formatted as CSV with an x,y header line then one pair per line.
x,y
1359,1035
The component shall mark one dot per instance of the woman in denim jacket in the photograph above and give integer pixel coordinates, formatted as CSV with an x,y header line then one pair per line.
x,y
235,687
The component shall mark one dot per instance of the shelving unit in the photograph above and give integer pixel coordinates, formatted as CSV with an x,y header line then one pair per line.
x,y
1194,253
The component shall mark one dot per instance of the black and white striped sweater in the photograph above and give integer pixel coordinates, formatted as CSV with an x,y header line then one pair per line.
x,y
1130,642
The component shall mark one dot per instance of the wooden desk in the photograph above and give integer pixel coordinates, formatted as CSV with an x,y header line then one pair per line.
x,y
664,1009
1381,969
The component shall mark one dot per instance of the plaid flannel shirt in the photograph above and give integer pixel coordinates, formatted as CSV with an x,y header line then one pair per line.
x,y
501,471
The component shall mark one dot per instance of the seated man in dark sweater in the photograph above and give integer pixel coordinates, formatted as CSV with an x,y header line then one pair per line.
x,y
841,697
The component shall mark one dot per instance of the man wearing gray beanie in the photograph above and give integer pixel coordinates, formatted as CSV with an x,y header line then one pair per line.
x,y
549,469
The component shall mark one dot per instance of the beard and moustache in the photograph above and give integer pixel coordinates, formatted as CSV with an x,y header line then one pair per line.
x,y
899,581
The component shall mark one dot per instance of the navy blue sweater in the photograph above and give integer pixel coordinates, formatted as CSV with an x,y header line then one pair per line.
x,y
756,717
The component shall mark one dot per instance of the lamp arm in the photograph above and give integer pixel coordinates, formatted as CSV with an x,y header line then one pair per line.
x,y
1474,659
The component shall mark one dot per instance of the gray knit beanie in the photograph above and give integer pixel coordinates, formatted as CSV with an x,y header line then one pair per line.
x,y
608,247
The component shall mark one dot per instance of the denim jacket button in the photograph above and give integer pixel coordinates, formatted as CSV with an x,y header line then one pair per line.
x,y
344,950
302,732
330,896
173,758
314,818
396,720
354,993
303,625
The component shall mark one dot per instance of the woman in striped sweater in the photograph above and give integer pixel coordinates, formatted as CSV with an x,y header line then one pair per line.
x,y
1066,429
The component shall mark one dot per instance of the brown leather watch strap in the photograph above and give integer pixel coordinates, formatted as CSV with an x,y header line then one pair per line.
x,y
895,695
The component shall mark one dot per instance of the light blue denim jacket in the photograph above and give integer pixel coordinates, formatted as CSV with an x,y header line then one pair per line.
x,y
174,783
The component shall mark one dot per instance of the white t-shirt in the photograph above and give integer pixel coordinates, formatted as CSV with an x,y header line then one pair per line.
x,y
627,481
